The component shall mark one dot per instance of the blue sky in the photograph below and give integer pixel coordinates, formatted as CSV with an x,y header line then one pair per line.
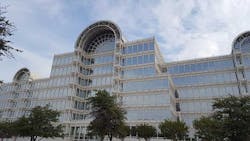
x,y
184,29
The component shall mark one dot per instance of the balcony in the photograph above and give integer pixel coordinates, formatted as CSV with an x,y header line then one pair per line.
x,y
236,52
243,80
117,77
117,65
240,66
118,53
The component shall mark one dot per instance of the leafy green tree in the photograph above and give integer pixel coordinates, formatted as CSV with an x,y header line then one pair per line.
x,y
208,129
108,115
175,130
6,29
7,130
123,132
145,131
42,122
230,120
234,114
23,127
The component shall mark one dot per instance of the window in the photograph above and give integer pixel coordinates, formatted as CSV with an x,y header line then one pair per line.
x,y
145,47
135,61
134,48
140,60
151,46
140,48
146,85
146,58
151,57
129,49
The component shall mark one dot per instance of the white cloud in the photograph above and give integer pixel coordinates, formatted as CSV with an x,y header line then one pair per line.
x,y
38,65
33,35
180,25
184,29
199,47
208,27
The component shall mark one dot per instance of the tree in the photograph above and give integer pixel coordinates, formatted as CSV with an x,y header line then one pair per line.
x,y
145,131
123,132
208,129
234,114
42,122
108,115
230,120
7,130
23,127
175,130
6,29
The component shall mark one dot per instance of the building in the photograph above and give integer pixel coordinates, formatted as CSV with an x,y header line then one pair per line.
x,y
150,89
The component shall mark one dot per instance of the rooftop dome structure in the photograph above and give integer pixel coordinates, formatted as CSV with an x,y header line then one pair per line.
x,y
97,32
242,42
22,75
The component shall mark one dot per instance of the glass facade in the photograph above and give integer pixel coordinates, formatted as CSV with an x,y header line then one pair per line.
x,y
138,60
205,78
139,72
150,89
157,99
145,85
207,92
130,49
212,65
148,114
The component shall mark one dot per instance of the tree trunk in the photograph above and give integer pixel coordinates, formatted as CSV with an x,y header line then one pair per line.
x,y
40,139
35,137
110,137
14,138
102,138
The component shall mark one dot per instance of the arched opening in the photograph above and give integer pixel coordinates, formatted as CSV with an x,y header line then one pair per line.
x,y
98,41
22,75
101,43
242,42
98,37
